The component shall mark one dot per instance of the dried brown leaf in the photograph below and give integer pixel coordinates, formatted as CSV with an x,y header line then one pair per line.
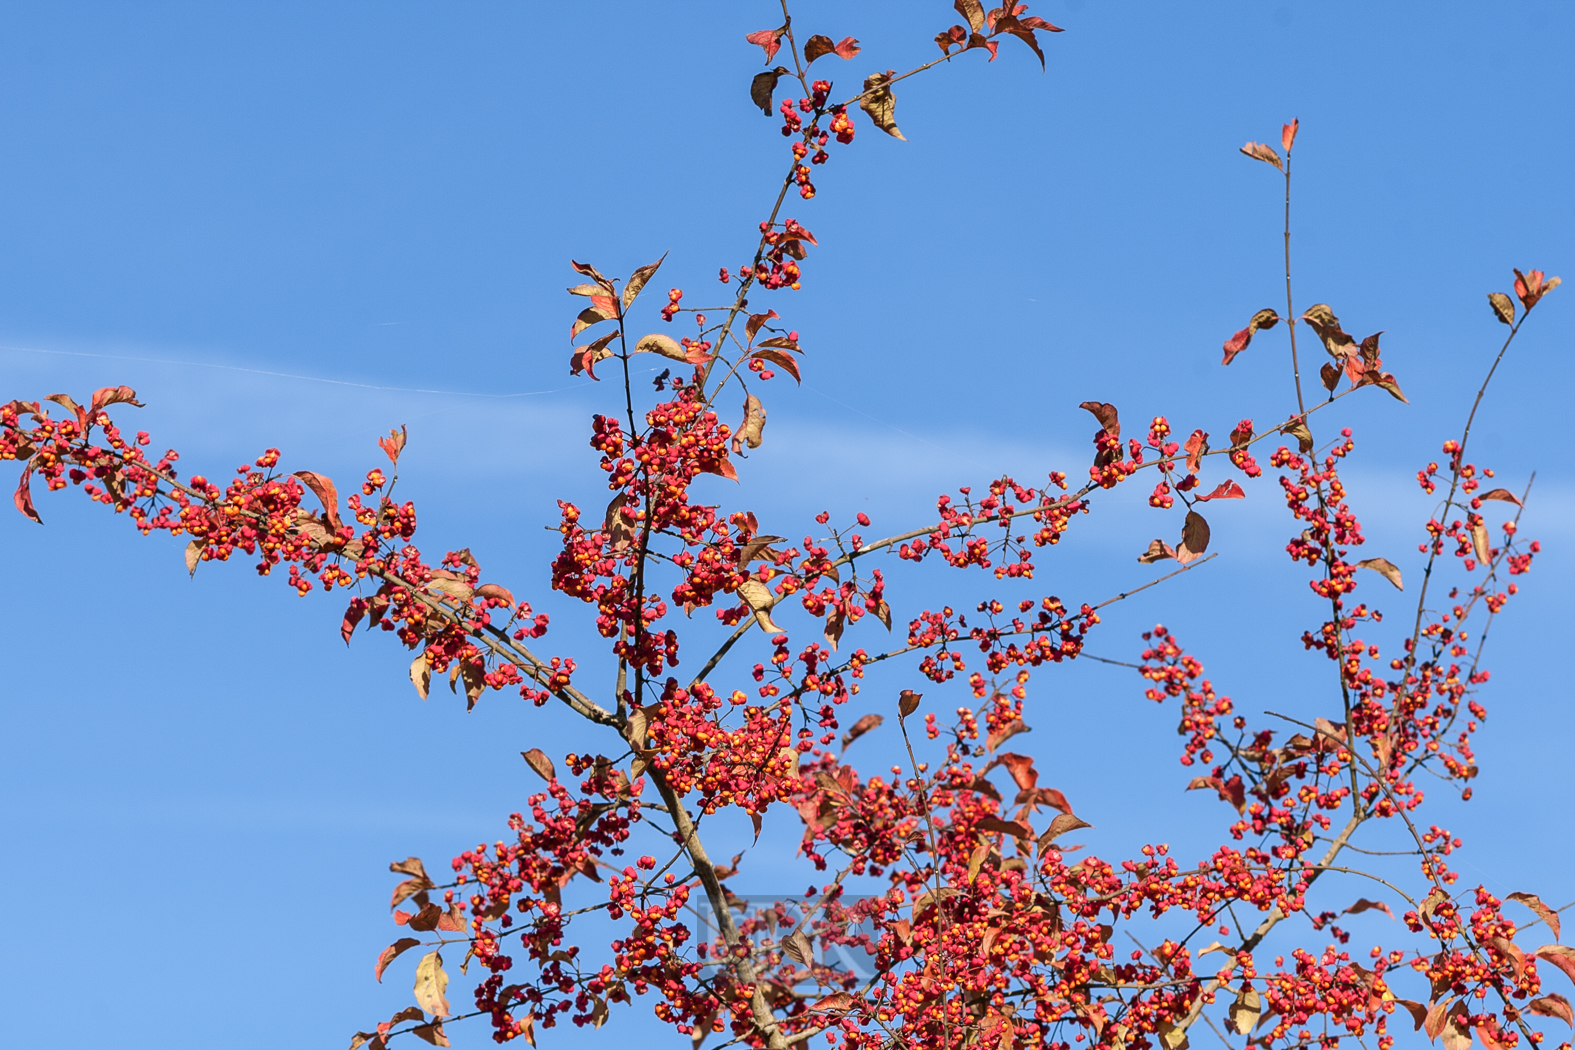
x,y
763,86
760,600
1363,904
1062,823
1503,307
1545,913
1107,415
1245,1011
432,985
908,702
1501,494
538,761
1262,320
1158,550
798,947
1553,1005
638,279
1005,733
749,431
1385,568
392,952
972,11
421,675
781,360
859,728
193,556
1481,544
1265,153
1298,429
879,102
1194,538
1196,447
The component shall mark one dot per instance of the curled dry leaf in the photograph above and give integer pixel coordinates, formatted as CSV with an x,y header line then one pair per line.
x,y
411,866
879,102
819,46
637,280
1262,320
1336,341
24,496
752,326
1385,381
584,358
666,345
1545,913
619,534
432,985
1329,376
1503,307
1158,550
1298,429
1481,545
194,558
393,444
421,675
836,622
781,360
760,600
749,431
1363,904
1194,538
840,1002
1553,1005
1224,490
432,1033
798,948
1456,1032
603,309
1502,494
1245,1011
973,11
763,86
1265,153
1107,415
1385,568
497,592
538,761
1062,823
323,488
859,728
996,826
1197,447
1533,285
392,952
908,702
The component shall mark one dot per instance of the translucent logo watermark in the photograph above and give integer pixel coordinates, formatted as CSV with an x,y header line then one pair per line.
x,y
839,935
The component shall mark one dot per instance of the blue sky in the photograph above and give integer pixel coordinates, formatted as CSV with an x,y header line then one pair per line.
x,y
204,787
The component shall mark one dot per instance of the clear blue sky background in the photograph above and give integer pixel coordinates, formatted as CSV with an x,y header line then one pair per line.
x,y
202,788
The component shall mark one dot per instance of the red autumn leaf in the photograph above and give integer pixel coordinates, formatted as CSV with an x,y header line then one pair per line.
x,y
1553,1005
584,358
323,488
752,325
1288,134
1034,797
113,395
999,736
393,444
352,618
1225,490
24,496
1196,447
1263,319
1020,766
819,46
769,39
497,592
781,360
838,1001
1545,913
995,825
1530,287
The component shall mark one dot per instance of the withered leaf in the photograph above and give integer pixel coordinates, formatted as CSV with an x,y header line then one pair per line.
x,y
193,556
972,11
592,272
393,444
496,591
820,46
1224,490
1158,550
1481,546
1245,1011
1417,1011
838,1001
1062,823
421,675
995,825
1336,341
1263,319
1330,376
781,342
1194,538
798,948
1383,380
1545,913
908,702
859,728
749,431
407,889
427,919
595,291
879,102
836,622
760,600
1502,494
432,985
1197,447
763,86
103,397
752,325
781,360
411,866
1503,307
589,316
1107,415
1457,1027
1265,153
1560,956
638,278
619,534
584,358
1298,429
538,761
1385,568
392,952
432,1033
666,345
1363,904
1005,733
1553,1005
323,488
